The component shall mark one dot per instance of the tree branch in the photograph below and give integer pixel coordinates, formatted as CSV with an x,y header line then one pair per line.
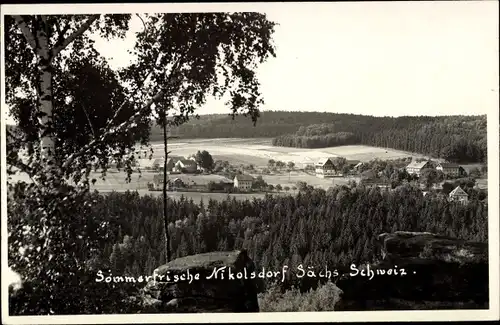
x,y
110,132
30,38
60,33
88,119
145,28
66,41
113,130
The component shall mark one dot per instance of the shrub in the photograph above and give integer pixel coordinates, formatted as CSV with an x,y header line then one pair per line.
x,y
324,298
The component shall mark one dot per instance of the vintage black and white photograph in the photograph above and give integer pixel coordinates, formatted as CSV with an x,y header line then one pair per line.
x,y
259,158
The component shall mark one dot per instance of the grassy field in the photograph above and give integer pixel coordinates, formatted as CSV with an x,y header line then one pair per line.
x,y
255,151
259,150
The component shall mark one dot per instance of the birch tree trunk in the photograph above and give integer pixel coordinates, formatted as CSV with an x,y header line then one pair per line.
x,y
45,103
38,40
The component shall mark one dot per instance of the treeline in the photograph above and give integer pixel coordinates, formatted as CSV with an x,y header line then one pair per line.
x,y
460,139
269,125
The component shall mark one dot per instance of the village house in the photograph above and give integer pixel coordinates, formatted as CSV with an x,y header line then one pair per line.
x,y
176,183
221,185
171,163
243,182
158,163
157,183
185,166
357,166
325,168
415,168
352,163
449,169
458,195
376,183
352,166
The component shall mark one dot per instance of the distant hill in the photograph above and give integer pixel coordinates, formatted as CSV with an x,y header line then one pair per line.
x,y
455,138
459,139
269,125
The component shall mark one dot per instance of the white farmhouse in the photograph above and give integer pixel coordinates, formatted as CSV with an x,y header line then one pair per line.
x,y
415,168
325,168
243,182
459,195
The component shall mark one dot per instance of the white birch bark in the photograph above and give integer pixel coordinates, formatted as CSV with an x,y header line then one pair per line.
x,y
45,54
45,94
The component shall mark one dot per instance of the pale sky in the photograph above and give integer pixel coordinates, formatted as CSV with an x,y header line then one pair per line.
x,y
373,58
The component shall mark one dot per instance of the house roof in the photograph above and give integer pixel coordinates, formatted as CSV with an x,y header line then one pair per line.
x,y
323,161
244,178
158,161
173,159
418,165
352,162
449,165
188,162
358,165
458,192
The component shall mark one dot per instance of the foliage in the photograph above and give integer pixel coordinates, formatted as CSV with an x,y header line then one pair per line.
x,y
205,160
259,183
323,298
62,92
206,54
85,93
56,253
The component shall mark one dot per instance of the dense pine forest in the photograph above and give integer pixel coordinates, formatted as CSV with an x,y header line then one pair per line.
x,y
315,227
319,228
460,139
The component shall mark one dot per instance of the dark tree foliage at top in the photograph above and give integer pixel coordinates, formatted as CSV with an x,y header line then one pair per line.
x,y
74,114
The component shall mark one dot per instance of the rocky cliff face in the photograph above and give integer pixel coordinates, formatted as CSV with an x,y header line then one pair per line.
x,y
428,271
210,282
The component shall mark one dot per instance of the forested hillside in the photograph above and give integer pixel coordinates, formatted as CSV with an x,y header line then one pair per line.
x,y
459,139
319,228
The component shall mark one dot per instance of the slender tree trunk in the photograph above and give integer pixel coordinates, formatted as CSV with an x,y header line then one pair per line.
x,y
39,43
165,211
47,145
45,97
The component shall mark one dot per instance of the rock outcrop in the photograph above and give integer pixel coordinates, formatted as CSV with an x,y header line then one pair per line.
x,y
428,272
189,285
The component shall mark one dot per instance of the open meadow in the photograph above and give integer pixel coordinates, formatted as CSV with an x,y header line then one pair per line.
x,y
258,151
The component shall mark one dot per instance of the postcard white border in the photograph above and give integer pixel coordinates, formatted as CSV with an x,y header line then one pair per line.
x,y
449,315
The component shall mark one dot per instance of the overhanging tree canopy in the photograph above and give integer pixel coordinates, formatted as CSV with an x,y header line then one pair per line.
x,y
74,110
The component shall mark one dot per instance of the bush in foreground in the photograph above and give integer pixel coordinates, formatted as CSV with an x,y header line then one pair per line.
x,y
324,298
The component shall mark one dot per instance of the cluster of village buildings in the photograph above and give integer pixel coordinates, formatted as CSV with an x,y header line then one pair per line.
x,y
181,175
326,167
